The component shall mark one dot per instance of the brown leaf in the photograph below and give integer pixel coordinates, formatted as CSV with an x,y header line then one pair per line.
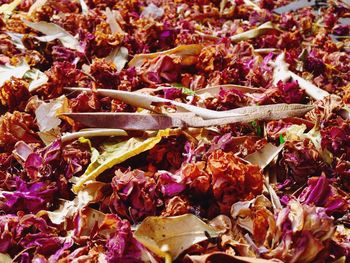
x,y
244,114
264,156
172,235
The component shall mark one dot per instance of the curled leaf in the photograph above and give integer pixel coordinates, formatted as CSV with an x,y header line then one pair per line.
x,y
37,5
92,192
8,71
146,101
181,51
241,211
112,21
38,79
92,133
9,8
281,72
253,33
244,114
142,121
46,113
264,156
52,32
266,50
84,7
253,5
116,153
172,235
266,112
119,57
297,132
215,90
311,89
50,136
17,40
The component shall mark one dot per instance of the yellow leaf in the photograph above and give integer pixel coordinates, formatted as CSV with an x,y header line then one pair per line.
x,y
8,8
5,258
117,153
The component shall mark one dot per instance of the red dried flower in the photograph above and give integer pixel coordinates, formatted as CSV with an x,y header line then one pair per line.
x,y
15,127
232,179
14,94
196,178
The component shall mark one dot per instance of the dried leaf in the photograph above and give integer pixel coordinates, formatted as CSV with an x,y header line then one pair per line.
x,y
222,6
172,235
146,101
244,114
46,113
52,32
131,121
241,212
214,90
50,136
22,151
146,121
264,156
47,120
16,40
275,201
37,5
252,113
312,90
221,223
91,192
266,50
119,57
91,218
182,51
84,7
297,132
253,5
112,21
5,258
92,133
9,8
116,153
152,11
281,72
253,33
38,79
8,71
218,257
